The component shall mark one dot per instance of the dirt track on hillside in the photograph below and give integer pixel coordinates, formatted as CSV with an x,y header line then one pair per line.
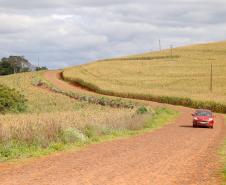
x,y
176,154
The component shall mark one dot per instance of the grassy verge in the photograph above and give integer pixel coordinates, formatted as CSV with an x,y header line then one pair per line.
x,y
161,117
223,154
17,147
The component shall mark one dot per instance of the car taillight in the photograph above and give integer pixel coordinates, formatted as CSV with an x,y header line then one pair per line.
x,y
210,119
195,118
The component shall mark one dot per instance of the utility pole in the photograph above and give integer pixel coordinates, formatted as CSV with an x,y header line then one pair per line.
x,y
171,51
211,77
22,66
160,46
38,61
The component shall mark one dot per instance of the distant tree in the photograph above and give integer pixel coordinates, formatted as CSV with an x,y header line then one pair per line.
x,y
14,64
6,68
41,68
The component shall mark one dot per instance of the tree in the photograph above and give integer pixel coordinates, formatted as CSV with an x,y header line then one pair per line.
x,y
14,64
41,68
6,68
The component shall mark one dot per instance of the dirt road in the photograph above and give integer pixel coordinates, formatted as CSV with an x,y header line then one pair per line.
x,y
176,154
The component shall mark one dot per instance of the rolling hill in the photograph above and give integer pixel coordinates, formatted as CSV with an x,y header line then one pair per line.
x,y
159,76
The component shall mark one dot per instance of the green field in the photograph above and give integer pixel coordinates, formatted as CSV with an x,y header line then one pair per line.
x,y
185,75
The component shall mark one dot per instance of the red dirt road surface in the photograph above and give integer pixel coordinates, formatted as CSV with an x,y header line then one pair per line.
x,y
177,154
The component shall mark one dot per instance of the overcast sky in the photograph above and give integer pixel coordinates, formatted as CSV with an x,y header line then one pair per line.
x,y
62,33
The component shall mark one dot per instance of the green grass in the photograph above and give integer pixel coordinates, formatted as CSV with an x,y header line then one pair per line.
x,y
73,138
11,100
161,117
222,152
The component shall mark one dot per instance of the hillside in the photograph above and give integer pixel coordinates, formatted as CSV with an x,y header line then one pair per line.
x,y
62,115
53,121
185,75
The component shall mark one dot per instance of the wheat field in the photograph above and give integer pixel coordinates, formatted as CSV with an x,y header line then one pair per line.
x,y
52,117
186,74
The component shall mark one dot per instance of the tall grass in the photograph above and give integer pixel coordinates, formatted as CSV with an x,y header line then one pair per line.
x,y
32,135
27,135
45,128
222,152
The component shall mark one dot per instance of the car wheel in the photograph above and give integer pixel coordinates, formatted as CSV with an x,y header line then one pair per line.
x,y
194,125
211,127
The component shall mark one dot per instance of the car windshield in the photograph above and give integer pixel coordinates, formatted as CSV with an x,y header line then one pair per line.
x,y
203,113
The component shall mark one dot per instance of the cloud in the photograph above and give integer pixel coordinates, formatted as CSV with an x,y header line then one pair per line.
x,y
68,32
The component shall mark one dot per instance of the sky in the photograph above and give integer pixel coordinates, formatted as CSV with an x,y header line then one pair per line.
x,y
62,33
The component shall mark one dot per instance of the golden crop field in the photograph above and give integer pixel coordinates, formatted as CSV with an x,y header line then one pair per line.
x,y
186,74
52,117
43,102
39,100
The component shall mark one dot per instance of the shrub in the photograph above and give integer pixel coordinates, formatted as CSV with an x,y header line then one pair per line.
x,y
11,100
142,110
71,135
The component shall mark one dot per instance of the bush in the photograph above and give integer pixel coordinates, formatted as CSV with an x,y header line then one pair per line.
x,y
71,135
11,100
142,110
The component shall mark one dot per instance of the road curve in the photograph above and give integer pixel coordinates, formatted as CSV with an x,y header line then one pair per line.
x,y
176,154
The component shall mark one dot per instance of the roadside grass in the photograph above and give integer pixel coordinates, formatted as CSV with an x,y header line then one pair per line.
x,y
222,153
182,80
162,117
44,136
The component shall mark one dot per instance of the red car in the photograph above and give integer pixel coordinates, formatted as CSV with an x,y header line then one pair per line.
x,y
204,118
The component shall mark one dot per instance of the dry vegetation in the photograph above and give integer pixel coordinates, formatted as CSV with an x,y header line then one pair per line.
x,y
156,76
52,118
45,128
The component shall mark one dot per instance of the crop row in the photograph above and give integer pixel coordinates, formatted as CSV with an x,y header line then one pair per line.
x,y
143,58
184,101
104,101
